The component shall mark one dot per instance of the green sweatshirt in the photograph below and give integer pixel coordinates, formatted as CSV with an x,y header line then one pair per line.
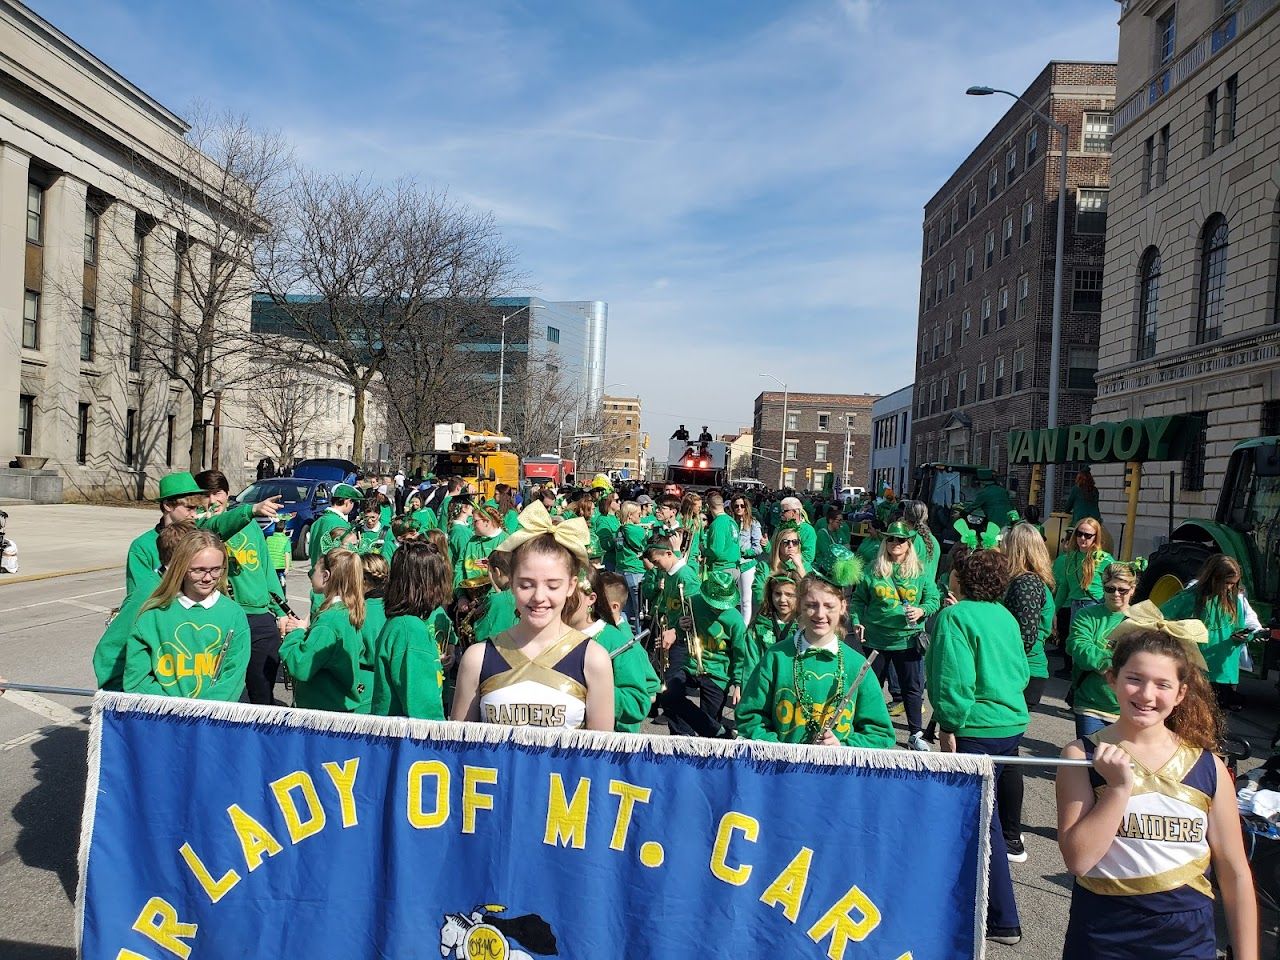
x,y
976,671
634,682
375,618
669,602
280,550
460,535
724,638
605,530
929,561
763,633
473,561
629,547
877,604
327,531
770,708
867,552
1090,651
408,680
992,501
426,518
173,651
325,662
1221,654
142,566
109,654
498,616
1066,577
722,550
808,543
250,574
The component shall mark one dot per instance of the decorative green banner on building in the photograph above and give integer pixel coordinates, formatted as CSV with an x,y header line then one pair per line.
x,y
1154,438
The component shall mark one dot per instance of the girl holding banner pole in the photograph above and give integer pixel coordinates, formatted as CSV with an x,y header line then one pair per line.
x,y
1141,829
541,672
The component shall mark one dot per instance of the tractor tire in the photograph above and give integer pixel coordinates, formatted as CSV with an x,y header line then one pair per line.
x,y
300,545
1180,560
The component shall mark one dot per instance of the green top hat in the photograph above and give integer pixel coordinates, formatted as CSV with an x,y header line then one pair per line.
x,y
179,485
720,589
344,491
899,529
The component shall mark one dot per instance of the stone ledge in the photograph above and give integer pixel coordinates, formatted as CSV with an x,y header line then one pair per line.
x,y
36,486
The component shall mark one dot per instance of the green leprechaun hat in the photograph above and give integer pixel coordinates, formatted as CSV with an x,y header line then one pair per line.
x,y
720,589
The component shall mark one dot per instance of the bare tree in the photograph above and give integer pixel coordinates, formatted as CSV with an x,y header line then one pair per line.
x,y
183,308
545,409
283,410
360,273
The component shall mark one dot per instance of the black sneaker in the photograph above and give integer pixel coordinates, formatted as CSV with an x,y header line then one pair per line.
x,y
1009,936
1016,850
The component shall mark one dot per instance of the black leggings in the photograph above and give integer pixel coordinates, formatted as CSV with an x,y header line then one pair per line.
x,y
1009,783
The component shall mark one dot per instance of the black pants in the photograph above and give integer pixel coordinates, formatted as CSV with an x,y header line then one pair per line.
x,y
264,658
688,719
909,666
1009,783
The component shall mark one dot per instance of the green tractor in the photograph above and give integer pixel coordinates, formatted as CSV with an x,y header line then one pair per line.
x,y
1246,526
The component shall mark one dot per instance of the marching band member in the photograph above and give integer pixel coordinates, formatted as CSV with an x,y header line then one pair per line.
x,y
770,625
191,639
692,530
541,672
375,572
628,555
408,677
328,531
722,551
604,529
473,561
803,679
460,511
326,657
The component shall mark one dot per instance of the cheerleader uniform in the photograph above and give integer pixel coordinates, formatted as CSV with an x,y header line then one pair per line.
x,y
548,691
1149,896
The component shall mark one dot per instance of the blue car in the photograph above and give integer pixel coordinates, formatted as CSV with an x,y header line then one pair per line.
x,y
305,495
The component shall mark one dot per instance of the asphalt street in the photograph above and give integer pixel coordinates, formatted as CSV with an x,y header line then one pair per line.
x,y
47,632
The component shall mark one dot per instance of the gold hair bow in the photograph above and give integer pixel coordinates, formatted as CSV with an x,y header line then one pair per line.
x,y
574,535
1192,634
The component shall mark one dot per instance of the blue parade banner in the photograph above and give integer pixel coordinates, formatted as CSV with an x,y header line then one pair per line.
x,y
226,830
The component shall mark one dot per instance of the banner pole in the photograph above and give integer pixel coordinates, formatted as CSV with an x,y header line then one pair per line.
x,y
42,688
1043,761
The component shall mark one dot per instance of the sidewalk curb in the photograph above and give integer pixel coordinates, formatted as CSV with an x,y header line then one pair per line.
x,y
31,577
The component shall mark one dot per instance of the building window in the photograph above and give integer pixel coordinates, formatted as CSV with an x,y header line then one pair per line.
x,y
968,264
937,343
1210,121
791,449
1091,210
82,433
955,219
985,326
966,324
1082,364
1162,157
1097,131
933,397
982,381
930,241
170,431
1193,461
1002,307
946,340
951,278
991,249
820,451
31,320
937,287
553,334
793,421
1229,114
946,391
1024,292
135,338
1155,160
824,423
1148,304
1270,418
1028,215
1019,366
1086,292
1010,167
26,423
993,184
1213,278
1033,145
962,388
973,201
789,479
35,212
998,385
1007,247
1148,165
130,435
88,329
1166,36
928,294
90,235
139,250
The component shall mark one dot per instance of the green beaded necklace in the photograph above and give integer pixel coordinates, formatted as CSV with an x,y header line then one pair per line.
x,y
813,719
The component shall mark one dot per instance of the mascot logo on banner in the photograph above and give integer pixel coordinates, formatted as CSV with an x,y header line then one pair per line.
x,y
485,935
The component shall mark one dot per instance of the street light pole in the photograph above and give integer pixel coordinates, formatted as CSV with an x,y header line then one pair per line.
x,y
1055,343
782,456
502,360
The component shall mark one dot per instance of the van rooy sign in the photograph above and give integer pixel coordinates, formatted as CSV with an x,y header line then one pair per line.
x,y
1153,438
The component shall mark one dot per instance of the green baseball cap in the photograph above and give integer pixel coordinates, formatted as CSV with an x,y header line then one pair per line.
x,y
720,589
344,491
179,485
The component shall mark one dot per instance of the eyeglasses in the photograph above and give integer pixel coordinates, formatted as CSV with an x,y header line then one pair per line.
x,y
204,573
1085,535
1113,591
790,543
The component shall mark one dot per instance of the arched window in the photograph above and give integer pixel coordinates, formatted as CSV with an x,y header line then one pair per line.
x,y
1213,278
1148,303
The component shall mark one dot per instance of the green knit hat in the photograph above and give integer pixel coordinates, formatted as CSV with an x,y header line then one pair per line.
x,y
720,589
179,485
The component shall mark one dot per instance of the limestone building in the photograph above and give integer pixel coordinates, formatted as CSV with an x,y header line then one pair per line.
x,y
85,157
1189,308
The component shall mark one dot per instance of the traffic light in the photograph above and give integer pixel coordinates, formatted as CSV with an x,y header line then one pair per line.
x,y
1132,477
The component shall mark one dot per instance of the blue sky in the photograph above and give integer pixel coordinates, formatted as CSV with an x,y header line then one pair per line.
x,y
742,180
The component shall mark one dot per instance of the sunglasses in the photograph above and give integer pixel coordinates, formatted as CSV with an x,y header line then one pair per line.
x,y
790,543
1085,535
894,541
1113,591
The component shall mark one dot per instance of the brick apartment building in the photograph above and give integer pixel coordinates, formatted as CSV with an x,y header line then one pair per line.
x,y
623,447
986,279
820,429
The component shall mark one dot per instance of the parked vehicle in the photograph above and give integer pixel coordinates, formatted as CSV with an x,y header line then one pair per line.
x,y
303,497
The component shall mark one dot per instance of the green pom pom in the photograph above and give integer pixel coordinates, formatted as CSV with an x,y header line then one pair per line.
x,y
847,571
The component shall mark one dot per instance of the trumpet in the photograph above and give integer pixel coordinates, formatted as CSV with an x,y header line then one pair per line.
x,y
694,641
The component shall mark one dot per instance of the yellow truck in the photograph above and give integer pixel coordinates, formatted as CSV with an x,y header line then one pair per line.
x,y
476,456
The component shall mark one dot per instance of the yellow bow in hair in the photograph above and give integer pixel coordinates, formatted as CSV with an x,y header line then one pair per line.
x,y
1192,634
574,535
